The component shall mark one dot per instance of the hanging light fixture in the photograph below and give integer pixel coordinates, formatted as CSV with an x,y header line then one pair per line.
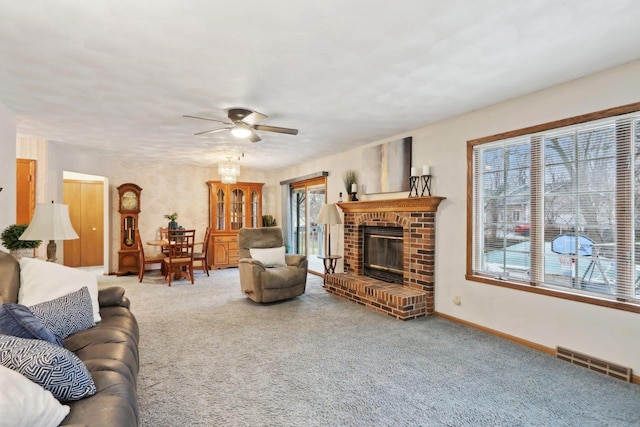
x,y
229,171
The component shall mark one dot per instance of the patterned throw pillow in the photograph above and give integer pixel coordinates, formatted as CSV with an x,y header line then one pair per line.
x,y
18,321
54,368
68,314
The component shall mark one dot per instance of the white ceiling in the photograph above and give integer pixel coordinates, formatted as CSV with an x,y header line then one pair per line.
x,y
119,74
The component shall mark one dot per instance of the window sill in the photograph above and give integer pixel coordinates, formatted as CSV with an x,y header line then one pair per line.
x,y
587,299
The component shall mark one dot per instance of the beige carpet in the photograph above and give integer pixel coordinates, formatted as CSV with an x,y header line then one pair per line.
x,y
211,357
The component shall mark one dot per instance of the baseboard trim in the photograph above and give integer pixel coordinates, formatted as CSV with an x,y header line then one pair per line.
x,y
551,351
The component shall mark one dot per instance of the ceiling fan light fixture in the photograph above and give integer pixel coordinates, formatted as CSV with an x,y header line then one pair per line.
x,y
241,131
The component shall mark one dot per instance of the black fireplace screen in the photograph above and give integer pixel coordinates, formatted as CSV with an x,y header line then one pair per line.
x,y
383,255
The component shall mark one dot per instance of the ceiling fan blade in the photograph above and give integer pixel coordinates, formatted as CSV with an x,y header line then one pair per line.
x,y
254,137
254,118
207,132
204,118
276,129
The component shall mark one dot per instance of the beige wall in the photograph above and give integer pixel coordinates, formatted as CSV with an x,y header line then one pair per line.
x,y
165,189
605,333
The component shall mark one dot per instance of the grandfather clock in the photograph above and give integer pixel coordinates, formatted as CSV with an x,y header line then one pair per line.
x,y
129,208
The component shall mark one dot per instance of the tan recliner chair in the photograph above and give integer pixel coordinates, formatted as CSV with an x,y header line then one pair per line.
x,y
286,279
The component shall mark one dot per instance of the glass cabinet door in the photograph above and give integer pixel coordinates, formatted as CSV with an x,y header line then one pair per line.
x,y
220,210
254,208
237,209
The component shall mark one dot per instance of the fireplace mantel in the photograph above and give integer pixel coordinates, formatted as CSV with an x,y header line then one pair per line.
x,y
409,204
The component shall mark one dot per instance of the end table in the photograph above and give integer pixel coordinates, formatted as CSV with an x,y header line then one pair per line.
x,y
330,262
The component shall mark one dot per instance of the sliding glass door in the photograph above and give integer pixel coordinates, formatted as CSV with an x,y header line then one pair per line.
x,y
307,237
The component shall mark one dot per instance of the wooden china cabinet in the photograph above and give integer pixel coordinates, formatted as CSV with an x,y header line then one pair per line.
x,y
232,206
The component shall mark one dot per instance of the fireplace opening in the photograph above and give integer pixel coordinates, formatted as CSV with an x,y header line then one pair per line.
x,y
383,257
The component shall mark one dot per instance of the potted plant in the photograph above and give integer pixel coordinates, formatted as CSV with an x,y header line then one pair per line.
x,y
350,177
268,221
173,225
18,248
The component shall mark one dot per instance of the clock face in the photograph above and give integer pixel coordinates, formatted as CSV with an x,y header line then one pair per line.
x,y
129,200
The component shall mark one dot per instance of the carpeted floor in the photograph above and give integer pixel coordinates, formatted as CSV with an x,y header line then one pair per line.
x,y
211,357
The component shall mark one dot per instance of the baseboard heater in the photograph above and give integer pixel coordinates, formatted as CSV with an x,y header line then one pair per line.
x,y
593,364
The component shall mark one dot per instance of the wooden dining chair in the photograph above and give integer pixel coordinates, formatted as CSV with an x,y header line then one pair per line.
x,y
147,259
179,263
203,256
164,235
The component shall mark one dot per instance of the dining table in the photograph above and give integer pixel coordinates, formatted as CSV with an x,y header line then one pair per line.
x,y
165,244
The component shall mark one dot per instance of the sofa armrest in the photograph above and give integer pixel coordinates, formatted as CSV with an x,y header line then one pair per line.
x,y
113,296
295,260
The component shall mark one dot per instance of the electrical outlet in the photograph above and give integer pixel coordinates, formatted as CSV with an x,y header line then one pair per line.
x,y
457,300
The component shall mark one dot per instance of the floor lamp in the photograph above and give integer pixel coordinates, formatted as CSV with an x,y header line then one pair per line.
x,y
328,216
50,222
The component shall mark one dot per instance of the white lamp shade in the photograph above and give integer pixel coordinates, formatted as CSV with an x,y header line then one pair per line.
x,y
329,214
50,222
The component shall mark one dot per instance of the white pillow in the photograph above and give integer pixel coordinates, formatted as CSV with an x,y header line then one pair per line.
x,y
42,281
270,257
24,403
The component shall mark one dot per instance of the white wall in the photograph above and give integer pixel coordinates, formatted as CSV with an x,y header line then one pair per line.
x,y
606,333
7,168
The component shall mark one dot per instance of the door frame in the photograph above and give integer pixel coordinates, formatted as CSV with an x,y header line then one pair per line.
x,y
305,184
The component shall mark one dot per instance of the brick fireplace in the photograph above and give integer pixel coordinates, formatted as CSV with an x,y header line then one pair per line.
x,y
415,297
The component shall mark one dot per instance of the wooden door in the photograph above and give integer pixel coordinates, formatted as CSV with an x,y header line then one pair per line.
x,y
25,190
86,211
92,230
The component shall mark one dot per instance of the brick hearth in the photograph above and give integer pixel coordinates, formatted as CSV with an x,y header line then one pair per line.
x,y
416,296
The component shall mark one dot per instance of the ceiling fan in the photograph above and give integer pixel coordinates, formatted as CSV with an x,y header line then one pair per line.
x,y
243,124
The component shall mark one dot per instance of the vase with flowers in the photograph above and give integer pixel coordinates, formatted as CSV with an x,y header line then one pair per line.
x,y
173,224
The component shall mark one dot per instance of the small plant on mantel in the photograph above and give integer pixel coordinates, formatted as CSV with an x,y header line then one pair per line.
x,y
349,177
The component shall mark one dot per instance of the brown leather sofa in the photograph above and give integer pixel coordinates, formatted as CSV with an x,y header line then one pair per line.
x,y
109,350
262,283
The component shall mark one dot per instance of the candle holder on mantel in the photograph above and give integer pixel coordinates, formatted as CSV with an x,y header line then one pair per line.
x,y
414,183
354,191
426,185
420,183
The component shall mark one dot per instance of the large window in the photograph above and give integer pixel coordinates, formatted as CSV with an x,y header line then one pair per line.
x,y
555,208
